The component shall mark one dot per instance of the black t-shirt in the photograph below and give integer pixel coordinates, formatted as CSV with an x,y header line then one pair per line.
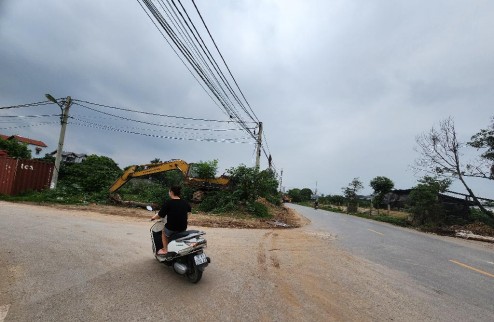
x,y
176,210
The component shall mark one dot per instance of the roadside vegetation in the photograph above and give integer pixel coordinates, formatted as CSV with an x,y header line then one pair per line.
x,y
251,193
254,193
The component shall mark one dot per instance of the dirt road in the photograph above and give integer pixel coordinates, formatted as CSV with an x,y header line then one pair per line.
x,y
59,264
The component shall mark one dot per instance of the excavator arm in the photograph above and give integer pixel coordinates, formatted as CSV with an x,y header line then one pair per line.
x,y
148,169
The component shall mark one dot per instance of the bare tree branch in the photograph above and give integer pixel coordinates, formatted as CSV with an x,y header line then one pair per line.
x,y
439,151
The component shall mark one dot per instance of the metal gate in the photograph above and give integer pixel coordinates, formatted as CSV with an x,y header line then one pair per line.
x,y
18,176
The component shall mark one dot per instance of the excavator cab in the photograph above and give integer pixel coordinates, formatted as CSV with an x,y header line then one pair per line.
x,y
193,171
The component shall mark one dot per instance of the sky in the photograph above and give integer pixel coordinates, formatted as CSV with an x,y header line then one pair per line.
x,y
343,88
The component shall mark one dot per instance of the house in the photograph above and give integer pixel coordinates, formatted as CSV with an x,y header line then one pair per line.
x,y
70,157
34,145
459,207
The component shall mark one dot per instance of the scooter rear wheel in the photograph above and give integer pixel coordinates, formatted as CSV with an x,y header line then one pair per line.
x,y
194,275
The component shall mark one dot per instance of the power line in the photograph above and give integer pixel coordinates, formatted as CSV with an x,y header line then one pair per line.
x,y
219,52
29,116
153,114
156,130
156,124
177,27
26,105
28,125
183,62
181,47
160,136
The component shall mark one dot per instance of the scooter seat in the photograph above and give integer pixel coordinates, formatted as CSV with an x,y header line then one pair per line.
x,y
182,234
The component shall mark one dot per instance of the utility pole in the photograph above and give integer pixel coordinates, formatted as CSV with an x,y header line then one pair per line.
x,y
281,181
259,144
63,118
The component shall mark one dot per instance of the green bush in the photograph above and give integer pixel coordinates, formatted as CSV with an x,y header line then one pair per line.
x,y
246,186
258,209
424,202
95,174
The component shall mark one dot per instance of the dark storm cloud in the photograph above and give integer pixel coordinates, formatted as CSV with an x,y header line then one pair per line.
x,y
343,87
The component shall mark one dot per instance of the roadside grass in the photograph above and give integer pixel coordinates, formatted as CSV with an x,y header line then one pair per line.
x,y
398,218
57,196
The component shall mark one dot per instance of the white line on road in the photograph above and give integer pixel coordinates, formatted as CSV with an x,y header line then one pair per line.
x,y
375,232
491,263
4,310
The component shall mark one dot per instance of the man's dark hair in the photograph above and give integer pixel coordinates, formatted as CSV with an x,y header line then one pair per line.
x,y
177,190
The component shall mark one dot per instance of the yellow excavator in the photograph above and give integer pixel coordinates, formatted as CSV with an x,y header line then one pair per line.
x,y
189,171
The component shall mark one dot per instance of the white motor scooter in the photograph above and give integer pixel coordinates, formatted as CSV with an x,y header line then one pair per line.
x,y
185,251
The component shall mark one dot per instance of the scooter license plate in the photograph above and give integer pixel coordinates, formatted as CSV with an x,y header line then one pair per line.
x,y
200,259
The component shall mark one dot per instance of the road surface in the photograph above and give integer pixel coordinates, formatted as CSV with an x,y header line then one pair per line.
x,y
448,266
69,265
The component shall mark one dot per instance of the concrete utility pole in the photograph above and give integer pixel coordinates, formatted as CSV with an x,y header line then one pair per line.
x,y
281,181
64,117
259,144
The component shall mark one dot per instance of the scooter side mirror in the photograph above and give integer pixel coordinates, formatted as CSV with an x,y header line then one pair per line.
x,y
149,208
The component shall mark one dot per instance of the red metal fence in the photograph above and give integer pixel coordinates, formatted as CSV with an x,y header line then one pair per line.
x,y
18,176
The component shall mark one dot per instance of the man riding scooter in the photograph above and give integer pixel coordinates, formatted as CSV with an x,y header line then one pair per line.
x,y
176,210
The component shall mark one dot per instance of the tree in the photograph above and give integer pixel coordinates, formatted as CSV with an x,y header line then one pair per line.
x,y
350,193
336,200
440,155
484,139
424,203
206,169
305,194
247,184
381,186
15,149
294,194
93,175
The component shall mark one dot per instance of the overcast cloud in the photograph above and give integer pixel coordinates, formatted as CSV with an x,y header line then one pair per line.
x,y
342,87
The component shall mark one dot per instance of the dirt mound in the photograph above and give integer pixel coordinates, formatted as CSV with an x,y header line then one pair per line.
x,y
281,215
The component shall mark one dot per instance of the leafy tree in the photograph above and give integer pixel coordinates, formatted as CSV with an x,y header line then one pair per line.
x,y
206,169
335,200
15,149
381,186
247,185
350,193
93,175
440,155
484,139
305,194
424,202
294,194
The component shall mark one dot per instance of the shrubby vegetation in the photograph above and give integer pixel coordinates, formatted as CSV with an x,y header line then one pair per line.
x,y
247,185
15,149
90,180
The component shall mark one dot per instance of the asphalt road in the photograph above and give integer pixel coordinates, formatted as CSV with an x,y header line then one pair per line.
x,y
461,269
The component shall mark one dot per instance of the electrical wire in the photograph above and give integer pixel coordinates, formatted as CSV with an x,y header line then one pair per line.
x,y
156,130
29,116
227,106
28,125
26,105
179,29
160,136
156,124
150,113
226,65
